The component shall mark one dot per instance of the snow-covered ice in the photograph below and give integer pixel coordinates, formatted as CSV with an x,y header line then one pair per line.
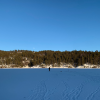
x,y
58,84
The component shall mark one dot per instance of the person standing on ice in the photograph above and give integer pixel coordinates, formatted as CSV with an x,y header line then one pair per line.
x,y
49,68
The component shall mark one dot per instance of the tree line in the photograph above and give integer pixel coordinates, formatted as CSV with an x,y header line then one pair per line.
x,y
47,57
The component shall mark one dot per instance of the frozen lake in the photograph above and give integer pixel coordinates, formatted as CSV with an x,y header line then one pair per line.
x,y
58,84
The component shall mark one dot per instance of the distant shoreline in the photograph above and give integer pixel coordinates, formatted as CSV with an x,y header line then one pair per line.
x,y
50,68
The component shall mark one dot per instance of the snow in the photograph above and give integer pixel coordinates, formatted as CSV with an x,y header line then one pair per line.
x,y
58,84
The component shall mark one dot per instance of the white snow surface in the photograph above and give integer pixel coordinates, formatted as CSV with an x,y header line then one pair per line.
x,y
56,84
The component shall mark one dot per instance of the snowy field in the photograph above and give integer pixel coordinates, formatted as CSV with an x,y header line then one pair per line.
x,y
58,84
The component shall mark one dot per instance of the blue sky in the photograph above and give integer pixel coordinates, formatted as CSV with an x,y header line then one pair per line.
x,y
50,25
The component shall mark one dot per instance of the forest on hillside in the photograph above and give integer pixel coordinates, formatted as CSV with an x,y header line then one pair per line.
x,y
47,57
